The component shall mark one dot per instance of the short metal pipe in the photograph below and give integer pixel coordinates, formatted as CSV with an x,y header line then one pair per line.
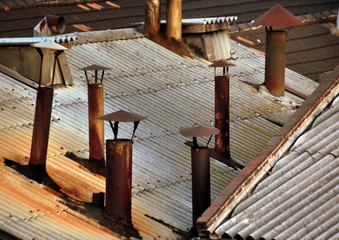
x,y
152,18
174,19
96,126
222,140
42,120
119,179
275,62
201,193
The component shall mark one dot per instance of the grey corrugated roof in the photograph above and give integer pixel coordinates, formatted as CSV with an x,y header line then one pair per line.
x,y
299,199
173,92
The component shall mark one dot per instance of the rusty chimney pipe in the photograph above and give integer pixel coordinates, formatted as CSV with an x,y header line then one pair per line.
x,y
95,91
200,166
119,168
42,116
275,60
222,111
152,15
174,20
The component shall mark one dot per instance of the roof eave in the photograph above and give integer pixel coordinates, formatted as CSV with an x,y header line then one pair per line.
x,y
276,147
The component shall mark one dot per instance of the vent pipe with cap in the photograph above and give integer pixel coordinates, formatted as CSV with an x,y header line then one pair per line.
x,y
152,18
42,116
222,150
95,92
275,59
49,26
200,166
119,168
174,20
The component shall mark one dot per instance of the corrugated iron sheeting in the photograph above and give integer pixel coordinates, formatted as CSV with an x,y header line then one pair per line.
x,y
173,92
299,200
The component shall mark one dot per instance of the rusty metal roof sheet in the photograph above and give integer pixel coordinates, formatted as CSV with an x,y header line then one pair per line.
x,y
306,182
183,90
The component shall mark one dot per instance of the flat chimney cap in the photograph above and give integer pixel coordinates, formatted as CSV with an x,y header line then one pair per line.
x,y
49,45
95,67
199,131
122,116
277,16
222,63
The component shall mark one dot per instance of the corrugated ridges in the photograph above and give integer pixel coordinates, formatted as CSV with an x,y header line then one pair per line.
x,y
173,92
299,199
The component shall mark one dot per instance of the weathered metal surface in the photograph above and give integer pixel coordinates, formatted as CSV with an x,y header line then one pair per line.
x,y
96,126
123,116
173,19
277,16
199,131
119,179
50,25
152,18
42,119
222,112
275,62
201,189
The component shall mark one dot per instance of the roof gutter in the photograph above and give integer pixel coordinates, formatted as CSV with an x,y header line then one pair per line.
x,y
265,160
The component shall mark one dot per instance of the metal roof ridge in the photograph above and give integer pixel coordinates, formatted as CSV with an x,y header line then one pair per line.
x,y
30,40
47,3
279,143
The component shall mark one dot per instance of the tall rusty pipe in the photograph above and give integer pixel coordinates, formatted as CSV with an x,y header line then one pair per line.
x,y
119,179
152,18
174,20
275,62
96,126
42,120
222,140
201,193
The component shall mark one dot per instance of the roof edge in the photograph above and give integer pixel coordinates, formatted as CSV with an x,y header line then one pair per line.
x,y
247,178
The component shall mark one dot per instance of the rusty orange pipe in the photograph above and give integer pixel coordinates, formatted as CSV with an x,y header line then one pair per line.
x,y
173,20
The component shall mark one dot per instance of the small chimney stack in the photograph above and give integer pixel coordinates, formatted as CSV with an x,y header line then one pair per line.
x,y
42,116
275,60
222,150
200,166
95,91
174,20
119,168
152,21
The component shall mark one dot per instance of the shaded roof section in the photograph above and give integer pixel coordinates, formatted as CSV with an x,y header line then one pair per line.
x,y
299,198
20,17
183,89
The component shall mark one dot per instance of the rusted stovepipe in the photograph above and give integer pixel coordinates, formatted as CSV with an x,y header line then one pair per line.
x,y
275,59
119,168
200,166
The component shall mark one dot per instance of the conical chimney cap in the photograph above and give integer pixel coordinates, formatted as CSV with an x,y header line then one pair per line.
x,y
199,131
95,67
123,116
222,63
277,16
49,45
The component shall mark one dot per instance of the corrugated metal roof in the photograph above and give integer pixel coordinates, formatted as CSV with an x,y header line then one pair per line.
x,y
299,199
173,92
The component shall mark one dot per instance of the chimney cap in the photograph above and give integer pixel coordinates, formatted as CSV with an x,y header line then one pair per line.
x,y
222,63
95,67
199,131
277,16
49,45
122,116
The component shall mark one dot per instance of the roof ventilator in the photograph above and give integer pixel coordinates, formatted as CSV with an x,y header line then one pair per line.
x,y
200,165
119,168
275,59
49,26
222,151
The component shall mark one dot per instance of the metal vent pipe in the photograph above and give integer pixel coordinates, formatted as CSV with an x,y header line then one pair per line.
x,y
152,18
174,20
49,26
